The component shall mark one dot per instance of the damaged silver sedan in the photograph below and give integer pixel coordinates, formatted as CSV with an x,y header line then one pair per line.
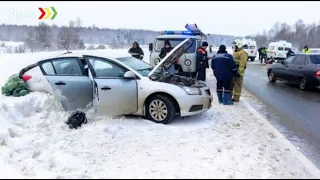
x,y
120,86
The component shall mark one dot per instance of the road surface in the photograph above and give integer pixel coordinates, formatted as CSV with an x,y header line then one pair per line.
x,y
298,111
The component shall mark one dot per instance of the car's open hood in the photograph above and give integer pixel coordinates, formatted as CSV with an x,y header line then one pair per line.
x,y
173,55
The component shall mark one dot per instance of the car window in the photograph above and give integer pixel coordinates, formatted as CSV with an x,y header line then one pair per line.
x,y
67,67
315,59
48,68
289,60
142,67
280,48
106,69
252,47
174,42
300,60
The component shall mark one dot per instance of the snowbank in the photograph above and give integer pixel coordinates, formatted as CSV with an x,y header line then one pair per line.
x,y
225,142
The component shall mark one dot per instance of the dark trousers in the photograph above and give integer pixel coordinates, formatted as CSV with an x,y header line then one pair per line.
x,y
202,74
224,85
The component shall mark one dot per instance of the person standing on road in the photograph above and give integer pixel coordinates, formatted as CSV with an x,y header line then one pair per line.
x,y
260,52
136,51
241,58
164,51
290,53
263,54
202,61
224,68
306,50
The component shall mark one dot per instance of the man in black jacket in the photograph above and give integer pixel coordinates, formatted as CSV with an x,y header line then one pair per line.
x,y
136,51
164,51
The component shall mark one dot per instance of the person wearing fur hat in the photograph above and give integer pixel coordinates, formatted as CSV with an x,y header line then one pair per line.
x,y
136,51
164,51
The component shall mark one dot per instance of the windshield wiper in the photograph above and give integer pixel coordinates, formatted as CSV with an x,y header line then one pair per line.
x,y
150,68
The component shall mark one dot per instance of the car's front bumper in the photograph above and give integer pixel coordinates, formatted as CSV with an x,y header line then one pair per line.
x,y
195,104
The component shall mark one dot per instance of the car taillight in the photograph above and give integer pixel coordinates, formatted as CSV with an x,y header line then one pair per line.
x,y
26,77
318,73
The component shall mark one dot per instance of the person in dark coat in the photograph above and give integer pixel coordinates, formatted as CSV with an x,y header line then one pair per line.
x,y
164,51
136,51
202,61
290,53
260,52
224,68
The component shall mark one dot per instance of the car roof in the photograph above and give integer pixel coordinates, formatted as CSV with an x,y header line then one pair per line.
x,y
101,53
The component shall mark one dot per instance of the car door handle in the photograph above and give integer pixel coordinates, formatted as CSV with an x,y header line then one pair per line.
x,y
60,83
106,88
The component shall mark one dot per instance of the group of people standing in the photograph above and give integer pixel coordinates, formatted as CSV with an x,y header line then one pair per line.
x,y
228,70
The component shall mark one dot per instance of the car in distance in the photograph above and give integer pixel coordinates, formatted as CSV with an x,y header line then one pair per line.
x,y
303,69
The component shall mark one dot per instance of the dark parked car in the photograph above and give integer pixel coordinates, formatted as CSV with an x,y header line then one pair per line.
x,y
303,69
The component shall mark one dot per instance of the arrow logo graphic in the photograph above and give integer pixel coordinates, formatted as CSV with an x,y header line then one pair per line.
x,y
42,13
47,13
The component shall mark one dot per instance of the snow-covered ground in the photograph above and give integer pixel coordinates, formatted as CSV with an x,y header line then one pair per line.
x,y
225,142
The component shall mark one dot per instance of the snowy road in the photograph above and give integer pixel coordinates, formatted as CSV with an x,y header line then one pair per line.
x,y
300,107
225,142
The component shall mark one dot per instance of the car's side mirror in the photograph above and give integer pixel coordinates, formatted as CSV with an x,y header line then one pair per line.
x,y
150,47
129,75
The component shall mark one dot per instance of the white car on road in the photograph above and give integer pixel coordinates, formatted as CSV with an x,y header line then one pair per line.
x,y
120,86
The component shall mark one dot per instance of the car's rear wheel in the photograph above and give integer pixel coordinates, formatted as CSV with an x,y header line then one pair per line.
x,y
160,109
252,59
303,83
272,78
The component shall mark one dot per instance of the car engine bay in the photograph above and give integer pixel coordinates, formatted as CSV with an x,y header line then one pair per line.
x,y
181,81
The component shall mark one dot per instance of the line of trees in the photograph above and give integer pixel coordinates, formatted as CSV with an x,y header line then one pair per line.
x,y
300,34
74,36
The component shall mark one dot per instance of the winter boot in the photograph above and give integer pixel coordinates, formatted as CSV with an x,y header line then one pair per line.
x,y
226,99
220,97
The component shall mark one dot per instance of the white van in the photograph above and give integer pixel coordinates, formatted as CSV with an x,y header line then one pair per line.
x,y
187,61
278,50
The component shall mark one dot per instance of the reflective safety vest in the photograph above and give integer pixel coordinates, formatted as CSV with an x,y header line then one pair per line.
x,y
306,51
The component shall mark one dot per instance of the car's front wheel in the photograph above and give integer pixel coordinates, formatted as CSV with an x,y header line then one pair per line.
x,y
160,109
272,78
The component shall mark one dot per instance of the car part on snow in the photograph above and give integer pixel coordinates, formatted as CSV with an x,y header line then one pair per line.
x,y
76,119
15,86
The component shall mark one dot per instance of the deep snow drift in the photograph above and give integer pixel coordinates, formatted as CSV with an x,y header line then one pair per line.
x,y
225,142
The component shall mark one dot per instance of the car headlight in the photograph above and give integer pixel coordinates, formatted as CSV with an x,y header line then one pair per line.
x,y
192,91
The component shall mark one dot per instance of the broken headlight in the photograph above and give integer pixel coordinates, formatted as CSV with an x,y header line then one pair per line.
x,y
192,91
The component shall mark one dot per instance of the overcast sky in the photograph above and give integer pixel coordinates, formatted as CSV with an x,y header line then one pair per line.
x,y
228,18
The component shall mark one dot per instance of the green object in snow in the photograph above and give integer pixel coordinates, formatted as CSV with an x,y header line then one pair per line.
x,y
15,87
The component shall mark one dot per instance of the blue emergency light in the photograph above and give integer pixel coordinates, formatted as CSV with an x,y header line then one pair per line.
x,y
178,32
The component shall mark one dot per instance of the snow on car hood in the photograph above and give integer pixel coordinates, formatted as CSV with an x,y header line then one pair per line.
x,y
173,55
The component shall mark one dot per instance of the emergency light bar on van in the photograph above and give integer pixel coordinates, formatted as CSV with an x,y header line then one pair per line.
x,y
178,33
